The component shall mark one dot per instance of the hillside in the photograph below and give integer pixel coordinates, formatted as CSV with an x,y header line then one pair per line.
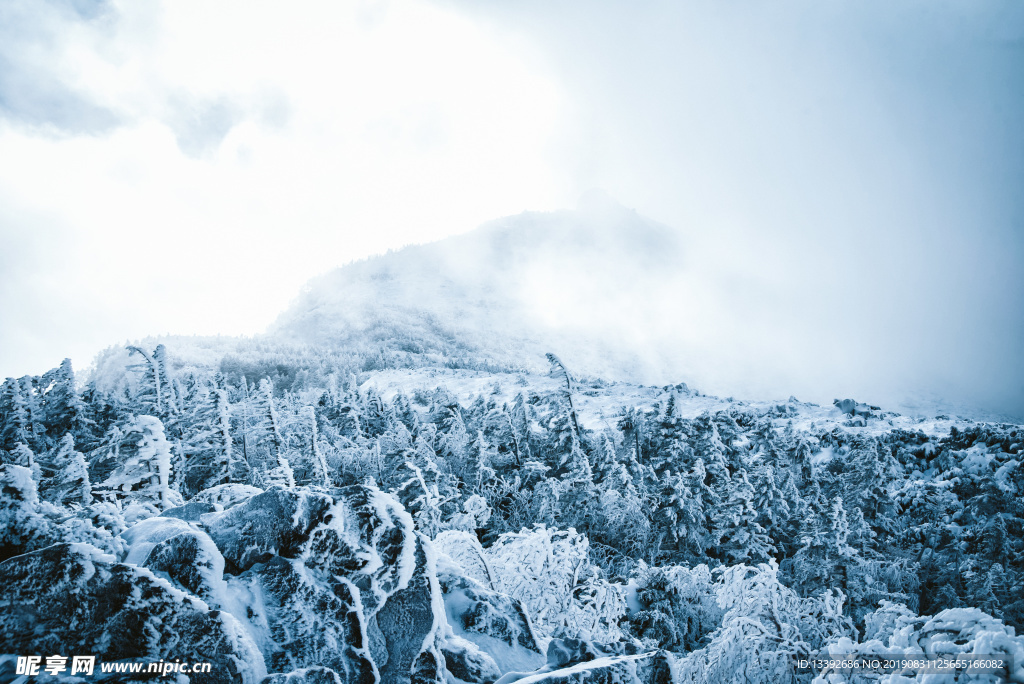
x,y
461,525
503,295
462,463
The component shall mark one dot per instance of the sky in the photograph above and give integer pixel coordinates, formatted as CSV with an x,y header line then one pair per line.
x,y
846,176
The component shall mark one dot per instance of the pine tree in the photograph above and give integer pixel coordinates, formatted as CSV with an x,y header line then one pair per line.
x,y
22,415
741,539
520,418
709,447
631,423
375,419
152,391
16,426
143,473
824,553
271,442
483,455
209,454
421,490
770,501
63,409
578,492
66,476
730,432
401,410
606,463
559,370
162,367
669,423
683,510
872,471
21,455
801,459
315,453
453,441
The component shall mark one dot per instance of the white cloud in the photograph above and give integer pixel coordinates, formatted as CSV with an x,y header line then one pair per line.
x,y
258,145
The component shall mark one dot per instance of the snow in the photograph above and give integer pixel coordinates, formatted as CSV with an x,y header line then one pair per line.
x,y
437,606
577,669
145,535
1004,476
389,508
21,479
952,632
86,556
464,549
977,460
599,403
227,495
507,657
822,457
550,572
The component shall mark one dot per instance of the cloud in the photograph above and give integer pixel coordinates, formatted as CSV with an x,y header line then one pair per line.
x,y
34,94
252,147
846,176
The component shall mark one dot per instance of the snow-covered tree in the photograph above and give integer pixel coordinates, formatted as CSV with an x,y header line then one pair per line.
x,y
21,455
143,474
270,443
824,550
63,410
550,572
155,391
316,454
474,514
66,475
210,457
741,539
559,370
765,625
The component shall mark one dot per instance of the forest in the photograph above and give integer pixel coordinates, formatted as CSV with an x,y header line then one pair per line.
x,y
686,539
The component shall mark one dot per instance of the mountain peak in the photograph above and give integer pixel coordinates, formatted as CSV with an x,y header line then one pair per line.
x,y
598,201
503,295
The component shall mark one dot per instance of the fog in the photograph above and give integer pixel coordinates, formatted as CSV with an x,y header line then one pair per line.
x,y
845,178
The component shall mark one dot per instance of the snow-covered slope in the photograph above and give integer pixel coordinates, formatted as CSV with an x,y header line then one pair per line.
x,y
503,295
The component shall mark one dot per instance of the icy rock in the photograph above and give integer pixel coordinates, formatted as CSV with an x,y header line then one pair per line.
x,y
855,408
645,668
407,621
275,522
143,536
564,652
192,562
191,511
307,620
226,495
368,537
71,598
467,663
475,610
336,579
310,675
179,552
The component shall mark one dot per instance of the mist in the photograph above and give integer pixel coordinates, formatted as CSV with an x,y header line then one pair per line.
x,y
846,178
843,179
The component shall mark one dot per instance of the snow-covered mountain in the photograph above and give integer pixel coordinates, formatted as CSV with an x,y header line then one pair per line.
x,y
502,296
398,484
